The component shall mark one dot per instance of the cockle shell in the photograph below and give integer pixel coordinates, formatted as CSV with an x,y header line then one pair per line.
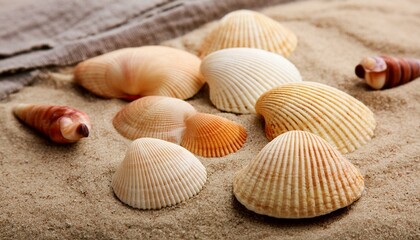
x,y
61,124
325,111
238,76
156,174
177,121
387,72
131,73
249,29
298,175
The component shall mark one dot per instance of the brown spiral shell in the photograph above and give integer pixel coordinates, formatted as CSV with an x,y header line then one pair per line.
x,y
382,72
61,124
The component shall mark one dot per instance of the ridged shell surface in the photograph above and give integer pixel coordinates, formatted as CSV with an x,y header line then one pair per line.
x,y
298,175
156,174
131,73
176,121
237,77
249,29
212,136
154,117
325,111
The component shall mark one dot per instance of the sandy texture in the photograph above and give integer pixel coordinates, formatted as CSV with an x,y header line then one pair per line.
x,y
50,191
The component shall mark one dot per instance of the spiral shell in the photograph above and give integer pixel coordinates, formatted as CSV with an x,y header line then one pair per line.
x,y
387,72
298,175
249,29
238,76
131,73
177,121
61,124
325,111
156,174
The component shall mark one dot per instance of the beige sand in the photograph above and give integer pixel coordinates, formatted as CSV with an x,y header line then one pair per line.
x,y
50,191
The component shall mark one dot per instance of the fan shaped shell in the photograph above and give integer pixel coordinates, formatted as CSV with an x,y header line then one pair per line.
x,y
177,121
249,29
154,117
298,175
237,77
131,73
325,111
156,174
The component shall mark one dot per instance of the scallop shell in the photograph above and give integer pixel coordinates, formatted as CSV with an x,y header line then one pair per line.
x,y
238,76
249,29
387,72
212,136
298,175
61,124
154,117
131,73
325,111
177,121
156,174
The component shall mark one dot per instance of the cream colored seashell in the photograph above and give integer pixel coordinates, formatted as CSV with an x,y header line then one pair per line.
x,y
249,29
131,73
298,175
177,121
62,124
325,111
237,77
156,174
154,117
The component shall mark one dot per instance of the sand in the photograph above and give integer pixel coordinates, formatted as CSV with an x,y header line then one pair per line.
x,y
50,191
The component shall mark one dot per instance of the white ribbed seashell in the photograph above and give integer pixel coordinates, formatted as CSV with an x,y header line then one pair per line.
x,y
237,77
339,118
249,29
298,175
156,174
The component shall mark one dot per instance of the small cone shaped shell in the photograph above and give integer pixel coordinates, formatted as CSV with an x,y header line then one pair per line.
x,y
388,72
155,117
212,136
325,111
249,29
156,174
131,73
61,124
237,77
298,175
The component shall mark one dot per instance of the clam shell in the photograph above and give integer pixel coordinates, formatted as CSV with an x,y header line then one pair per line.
x,y
154,117
325,111
249,29
156,174
177,121
131,73
212,136
62,124
237,77
298,175
388,72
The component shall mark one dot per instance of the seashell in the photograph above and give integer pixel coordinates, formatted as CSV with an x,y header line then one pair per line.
x,y
249,29
325,111
238,76
212,136
387,72
131,73
298,175
61,124
156,174
174,120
